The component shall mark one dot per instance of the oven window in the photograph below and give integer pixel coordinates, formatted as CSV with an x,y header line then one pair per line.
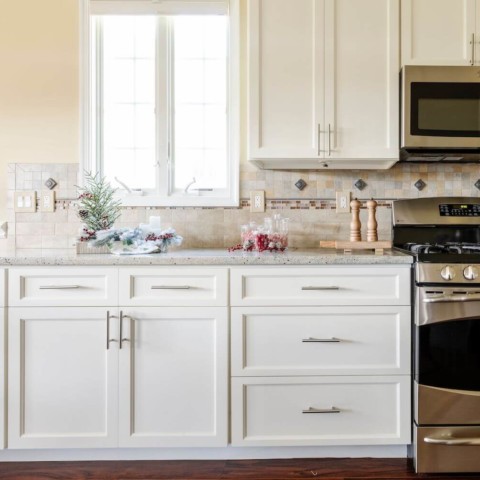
x,y
448,354
445,109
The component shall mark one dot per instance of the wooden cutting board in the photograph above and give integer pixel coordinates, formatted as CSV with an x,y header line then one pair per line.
x,y
348,246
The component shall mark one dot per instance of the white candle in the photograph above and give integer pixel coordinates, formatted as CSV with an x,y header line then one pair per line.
x,y
155,223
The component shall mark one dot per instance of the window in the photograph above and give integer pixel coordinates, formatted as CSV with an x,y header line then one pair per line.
x,y
161,100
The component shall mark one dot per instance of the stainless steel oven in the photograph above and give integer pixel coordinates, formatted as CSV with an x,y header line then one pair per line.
x,y
440,114
444,236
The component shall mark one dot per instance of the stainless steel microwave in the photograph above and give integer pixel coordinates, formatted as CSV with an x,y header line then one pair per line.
x,y
440,114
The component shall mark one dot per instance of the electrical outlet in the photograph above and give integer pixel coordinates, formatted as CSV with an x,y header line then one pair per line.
x,y
343,202
25,201
47,201
257,201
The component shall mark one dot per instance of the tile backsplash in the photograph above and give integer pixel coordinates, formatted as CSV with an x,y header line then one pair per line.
x,y
311,211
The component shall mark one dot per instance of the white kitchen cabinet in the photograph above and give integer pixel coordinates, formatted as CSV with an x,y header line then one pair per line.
x,y
344,410
62,378
440,32
86,377
3,359
323,83
174,377
320,355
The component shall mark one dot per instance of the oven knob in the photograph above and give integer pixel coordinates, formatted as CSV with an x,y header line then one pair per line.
x,y
470,272
447,273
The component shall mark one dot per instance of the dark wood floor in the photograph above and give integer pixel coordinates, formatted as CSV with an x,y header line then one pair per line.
x,y
325,468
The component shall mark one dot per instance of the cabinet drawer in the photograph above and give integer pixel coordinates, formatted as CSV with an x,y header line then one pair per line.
x,y
175,286
320,411
320,340
339,285
79,286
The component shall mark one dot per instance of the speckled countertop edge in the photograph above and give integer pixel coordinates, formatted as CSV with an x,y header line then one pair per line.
x,y
206,257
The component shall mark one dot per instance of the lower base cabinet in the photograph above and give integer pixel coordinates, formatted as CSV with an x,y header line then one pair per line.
x,y
98,377
286,411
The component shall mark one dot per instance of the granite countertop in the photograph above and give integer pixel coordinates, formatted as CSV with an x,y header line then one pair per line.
x,y
205,257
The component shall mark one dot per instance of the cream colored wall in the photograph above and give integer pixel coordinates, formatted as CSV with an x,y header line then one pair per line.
x,y
39,84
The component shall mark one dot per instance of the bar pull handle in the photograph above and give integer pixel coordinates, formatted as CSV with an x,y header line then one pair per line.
x,y
329,140
444,440
59,287
171,287
330,287
321,340
109,340
319,134
472,43
321,410
122,338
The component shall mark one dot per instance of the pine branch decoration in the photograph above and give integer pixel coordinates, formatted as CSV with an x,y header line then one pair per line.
x,y
97,207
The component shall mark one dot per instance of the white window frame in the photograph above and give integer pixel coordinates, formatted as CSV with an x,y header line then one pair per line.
x,y
167,197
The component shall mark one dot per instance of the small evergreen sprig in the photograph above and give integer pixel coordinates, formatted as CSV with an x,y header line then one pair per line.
x,y
97,207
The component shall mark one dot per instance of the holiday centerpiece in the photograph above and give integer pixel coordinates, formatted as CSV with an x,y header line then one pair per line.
x,y
98,209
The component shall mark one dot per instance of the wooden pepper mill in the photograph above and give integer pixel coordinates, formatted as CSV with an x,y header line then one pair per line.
x,y
355,225
372,235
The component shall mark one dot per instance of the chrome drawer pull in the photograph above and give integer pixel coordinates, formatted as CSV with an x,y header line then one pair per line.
x,y
122,338
332,287
452,441
59,287
322,410
171,287
321,340
109,340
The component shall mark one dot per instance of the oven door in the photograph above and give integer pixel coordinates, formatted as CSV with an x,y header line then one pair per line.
x,y
447,356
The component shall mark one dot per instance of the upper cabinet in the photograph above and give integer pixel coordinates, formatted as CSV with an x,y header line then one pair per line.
x,y
323,83
441,32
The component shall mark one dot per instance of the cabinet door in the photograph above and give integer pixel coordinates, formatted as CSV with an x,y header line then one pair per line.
x,y
286,88
361,80
173,377
63,381
437,32
477,35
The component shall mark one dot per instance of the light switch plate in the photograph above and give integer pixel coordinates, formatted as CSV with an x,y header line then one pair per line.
x,y
47,201
25,201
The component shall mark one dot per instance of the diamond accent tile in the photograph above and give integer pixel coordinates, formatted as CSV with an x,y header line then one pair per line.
x,y
50,183
301,184
419,184
360,184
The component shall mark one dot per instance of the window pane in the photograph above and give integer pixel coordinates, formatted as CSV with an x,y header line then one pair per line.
x,y
128,88
200,101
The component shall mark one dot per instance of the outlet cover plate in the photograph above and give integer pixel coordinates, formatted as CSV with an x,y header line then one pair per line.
x,y
257,201
25,201
343,202
47,201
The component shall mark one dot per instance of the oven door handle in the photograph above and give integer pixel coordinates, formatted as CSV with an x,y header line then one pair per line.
x,y
442,440
474,297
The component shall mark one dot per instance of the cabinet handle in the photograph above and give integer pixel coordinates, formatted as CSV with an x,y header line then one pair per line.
x,y
319,134
171,287
321,410
472,43
122,339
332,287
108,330
59,287
321,340
329,140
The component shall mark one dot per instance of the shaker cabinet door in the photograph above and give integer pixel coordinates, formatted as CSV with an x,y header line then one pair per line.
x,y
62,379
439,32
174,377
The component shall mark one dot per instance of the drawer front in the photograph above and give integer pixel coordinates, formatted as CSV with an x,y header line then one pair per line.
x,y
63,286
321,411
320,341
173,286
338,285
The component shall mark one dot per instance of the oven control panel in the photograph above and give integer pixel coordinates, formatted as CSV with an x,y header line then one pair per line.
x,y
459,209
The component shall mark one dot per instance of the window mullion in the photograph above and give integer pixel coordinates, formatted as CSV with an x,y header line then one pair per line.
x,y
161,106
